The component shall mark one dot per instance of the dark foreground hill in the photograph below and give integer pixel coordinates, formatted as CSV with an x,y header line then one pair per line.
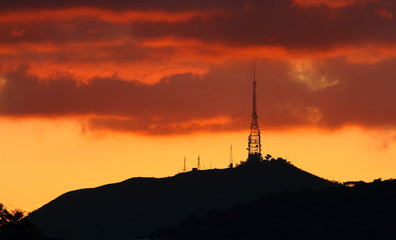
x,y
139,206
365,211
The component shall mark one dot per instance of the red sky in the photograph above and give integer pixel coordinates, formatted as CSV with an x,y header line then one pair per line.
x,y
171,69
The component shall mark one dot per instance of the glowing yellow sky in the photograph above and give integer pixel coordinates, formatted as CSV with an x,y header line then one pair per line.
x,y
97,92
42,159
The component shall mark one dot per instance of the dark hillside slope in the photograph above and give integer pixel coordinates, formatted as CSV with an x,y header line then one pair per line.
x,y
365,211
139,206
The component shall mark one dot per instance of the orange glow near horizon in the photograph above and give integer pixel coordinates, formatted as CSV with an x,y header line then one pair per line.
x,y
46,158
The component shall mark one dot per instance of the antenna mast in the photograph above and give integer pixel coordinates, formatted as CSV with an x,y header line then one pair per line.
x,y
254,141
199,163
231,158
184,167
254,112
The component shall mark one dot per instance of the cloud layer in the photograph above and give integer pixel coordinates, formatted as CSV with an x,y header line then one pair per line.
x,y
185,66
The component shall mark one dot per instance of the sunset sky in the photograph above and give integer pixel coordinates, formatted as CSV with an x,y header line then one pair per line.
x,y
96,92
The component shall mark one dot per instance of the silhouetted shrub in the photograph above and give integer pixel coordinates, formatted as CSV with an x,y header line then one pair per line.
x,y
14,226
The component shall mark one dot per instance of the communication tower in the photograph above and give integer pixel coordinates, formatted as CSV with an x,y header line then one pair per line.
x,y
254,141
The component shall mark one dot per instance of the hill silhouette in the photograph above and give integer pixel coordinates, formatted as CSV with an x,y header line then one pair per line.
x,y
139,206
365,211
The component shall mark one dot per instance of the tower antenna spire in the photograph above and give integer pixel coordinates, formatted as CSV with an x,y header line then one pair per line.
x,y
254,141
254,90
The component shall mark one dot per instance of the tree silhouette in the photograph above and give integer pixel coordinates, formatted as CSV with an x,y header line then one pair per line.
x,y
13,225
9,218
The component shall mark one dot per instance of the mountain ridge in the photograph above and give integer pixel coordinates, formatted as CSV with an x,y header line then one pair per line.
x,y
138,206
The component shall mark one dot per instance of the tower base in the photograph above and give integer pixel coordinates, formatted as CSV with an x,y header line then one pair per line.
x,y
254,158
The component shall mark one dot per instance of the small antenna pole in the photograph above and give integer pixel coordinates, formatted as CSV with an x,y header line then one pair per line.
x,y
184,167
231,158
199,163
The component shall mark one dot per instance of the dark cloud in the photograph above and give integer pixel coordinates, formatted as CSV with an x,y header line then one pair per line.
x,y
75,30
218,101
366,95
254,23
116,53
279,23
169,5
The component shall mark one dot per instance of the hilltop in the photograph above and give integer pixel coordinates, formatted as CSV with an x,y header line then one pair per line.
x,y
139,206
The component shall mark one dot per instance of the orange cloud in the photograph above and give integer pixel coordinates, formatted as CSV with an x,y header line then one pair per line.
x,y
337,94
